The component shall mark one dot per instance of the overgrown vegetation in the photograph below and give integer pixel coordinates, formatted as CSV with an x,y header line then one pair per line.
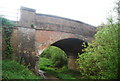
x,y
14,70
7,27
100,60
44,62
56,55
11,69
47,63
62,73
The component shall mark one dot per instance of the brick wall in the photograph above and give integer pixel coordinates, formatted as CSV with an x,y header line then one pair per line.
x,y
50,29
50,22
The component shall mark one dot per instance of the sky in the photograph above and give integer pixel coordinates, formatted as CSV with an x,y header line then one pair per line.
x,y
93,12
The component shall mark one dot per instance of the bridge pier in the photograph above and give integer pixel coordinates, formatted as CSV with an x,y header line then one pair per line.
x,y
72,65
26,48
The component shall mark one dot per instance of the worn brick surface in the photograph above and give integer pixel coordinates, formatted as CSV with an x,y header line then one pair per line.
x,y
15,42
47,30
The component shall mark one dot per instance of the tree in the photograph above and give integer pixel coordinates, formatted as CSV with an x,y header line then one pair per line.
x,y
100,59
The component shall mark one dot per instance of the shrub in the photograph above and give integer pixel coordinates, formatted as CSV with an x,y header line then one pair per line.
x,y
100,60
56,55
44,62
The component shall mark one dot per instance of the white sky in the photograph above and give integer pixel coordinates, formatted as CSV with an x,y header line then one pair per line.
x,y
93,12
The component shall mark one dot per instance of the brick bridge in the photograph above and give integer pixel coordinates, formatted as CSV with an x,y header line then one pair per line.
x,y
38,31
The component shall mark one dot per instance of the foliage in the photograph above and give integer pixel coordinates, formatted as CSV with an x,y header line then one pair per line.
x,y
32,25
48,62
64,69
7,26
59,73
6,22
56,55
64,74
44,62
100,59
14,70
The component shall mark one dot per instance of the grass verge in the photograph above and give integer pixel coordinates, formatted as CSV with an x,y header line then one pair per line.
x,y
13,70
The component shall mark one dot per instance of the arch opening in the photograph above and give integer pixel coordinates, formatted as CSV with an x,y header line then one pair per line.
x,y
53,57
71,46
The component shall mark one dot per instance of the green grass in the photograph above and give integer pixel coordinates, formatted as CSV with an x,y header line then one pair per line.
x,y
56,55
13,70
62,73
45,62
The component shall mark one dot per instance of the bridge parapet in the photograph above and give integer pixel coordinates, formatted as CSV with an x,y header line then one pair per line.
x,y
27,17
55,23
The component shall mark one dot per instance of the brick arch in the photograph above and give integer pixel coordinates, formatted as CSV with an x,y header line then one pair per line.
x,y
71,45
44,38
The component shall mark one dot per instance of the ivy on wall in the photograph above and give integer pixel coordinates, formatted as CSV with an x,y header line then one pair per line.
x,y
7,27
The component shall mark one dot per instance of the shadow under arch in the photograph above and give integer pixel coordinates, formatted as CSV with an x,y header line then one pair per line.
x,y
71,46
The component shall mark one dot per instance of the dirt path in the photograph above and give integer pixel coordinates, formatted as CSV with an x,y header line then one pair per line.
x,y
50,77
47,76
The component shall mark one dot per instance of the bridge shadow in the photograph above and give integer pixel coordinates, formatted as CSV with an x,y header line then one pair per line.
x,y
71,46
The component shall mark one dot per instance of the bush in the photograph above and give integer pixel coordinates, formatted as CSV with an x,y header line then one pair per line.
x,y
44,62
100,60
56,55
13,70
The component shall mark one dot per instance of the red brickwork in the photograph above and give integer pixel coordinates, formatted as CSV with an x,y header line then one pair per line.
x,y
46,30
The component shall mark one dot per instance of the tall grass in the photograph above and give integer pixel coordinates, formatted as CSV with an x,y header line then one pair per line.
x,y
13,70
